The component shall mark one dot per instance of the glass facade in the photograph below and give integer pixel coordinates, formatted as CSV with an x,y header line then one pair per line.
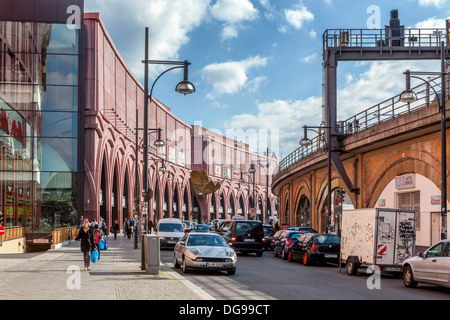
x,y
39,114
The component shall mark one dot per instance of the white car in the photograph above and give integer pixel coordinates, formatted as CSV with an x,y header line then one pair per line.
x,y
204,251
431,266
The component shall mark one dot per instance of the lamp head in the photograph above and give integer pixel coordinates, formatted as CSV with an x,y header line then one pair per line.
x,y
159,143
185,87
305,142
408,96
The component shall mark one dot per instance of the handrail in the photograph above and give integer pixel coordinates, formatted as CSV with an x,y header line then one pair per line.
x,y
379,38
13,233
375,115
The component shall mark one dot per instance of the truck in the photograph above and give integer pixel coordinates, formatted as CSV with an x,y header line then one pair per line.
x,y
377,237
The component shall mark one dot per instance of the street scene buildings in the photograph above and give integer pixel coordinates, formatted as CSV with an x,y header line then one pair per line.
x,y
82,137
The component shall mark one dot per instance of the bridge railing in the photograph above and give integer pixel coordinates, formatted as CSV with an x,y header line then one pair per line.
x,y
375,115
360,38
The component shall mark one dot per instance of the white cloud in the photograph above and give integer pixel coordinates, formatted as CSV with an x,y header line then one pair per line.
x,y
313,34
436,3
296,17
231,77
282,117
310,58
233,13
169,22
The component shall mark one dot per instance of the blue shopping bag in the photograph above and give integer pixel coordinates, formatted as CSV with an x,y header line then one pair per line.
x,y
94,256
103,245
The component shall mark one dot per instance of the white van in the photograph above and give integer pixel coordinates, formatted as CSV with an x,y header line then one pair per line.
x,y
170,231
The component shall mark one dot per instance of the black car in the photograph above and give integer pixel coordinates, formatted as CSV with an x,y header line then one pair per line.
x,y
310,248
244,236
268,234
284,241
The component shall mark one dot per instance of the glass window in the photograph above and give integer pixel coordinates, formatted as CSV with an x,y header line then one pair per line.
x,y
62,70
323,239
58,154
434,251
62,39
447,251
61,98
59,124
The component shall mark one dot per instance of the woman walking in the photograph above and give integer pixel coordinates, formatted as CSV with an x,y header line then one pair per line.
x,y
116,228
86,235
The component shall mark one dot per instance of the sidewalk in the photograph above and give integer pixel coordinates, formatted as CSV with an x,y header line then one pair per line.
x,y
116,276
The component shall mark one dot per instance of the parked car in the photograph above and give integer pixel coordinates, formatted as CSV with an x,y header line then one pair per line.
x,y
268,234
275,238
201,228
204,251
431,266
244,236
304,229
170,231
312,248
282,245
188,224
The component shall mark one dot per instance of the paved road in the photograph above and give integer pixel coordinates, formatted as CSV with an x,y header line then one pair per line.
x,y
273,278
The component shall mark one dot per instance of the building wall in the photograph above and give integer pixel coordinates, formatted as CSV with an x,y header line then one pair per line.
x,y
112,96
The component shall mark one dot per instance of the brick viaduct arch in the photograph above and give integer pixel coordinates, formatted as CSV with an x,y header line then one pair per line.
x,y
372,159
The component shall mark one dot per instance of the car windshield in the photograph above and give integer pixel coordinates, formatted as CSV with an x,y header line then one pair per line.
x,y
243,228
201,240
202,227
327,239
170,227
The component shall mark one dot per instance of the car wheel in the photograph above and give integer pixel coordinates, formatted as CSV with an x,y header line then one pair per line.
x,y
408,278
290,257
259,254
275,254
231,272
185,269
175,262
351,267
283,254
306,259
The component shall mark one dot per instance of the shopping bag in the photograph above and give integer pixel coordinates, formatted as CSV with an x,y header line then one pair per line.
x,y
102,245
94,256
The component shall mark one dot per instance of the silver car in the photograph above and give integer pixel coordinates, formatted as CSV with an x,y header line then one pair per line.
x,y
204,251
431,266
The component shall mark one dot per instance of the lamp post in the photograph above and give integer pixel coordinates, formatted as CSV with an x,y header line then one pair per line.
x,y
251,171
409,96
266,214
307,142
184,87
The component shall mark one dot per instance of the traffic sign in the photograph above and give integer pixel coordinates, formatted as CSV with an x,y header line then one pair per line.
x,y
2,230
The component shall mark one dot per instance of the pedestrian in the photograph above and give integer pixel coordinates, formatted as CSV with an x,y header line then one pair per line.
x,y
97,237
128,229
86,235
124,229
116,229
150,225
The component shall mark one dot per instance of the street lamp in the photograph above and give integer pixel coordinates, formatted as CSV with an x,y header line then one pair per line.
x,y
409,96
184,87
305,142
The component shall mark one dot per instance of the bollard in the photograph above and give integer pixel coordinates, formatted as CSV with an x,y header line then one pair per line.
x,y
152,253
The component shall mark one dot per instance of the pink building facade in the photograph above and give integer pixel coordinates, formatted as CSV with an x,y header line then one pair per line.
x,y
114,108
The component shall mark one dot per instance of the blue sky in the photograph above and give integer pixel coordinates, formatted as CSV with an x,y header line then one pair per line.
x,y
257,64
